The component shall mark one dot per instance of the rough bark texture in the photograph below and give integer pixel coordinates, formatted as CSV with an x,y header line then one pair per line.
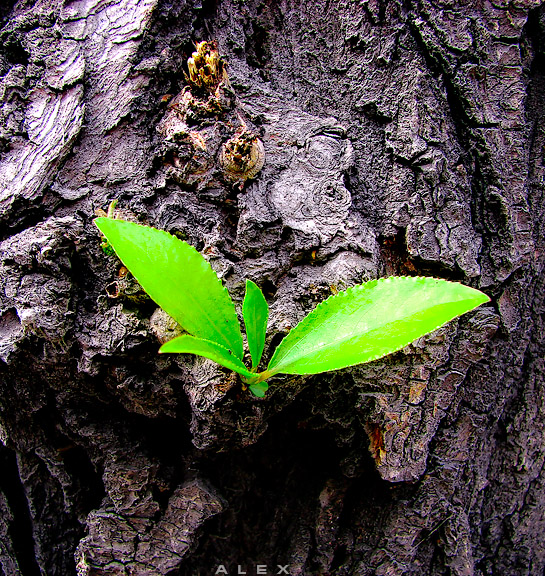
x,y
400,137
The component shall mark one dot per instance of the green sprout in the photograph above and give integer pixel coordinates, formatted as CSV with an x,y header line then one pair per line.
x,y
361,324
104,244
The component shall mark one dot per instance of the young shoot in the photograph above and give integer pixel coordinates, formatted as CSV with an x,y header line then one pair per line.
x,y
361,324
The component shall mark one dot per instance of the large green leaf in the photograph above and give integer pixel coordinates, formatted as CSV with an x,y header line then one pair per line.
x,y
190,345
369,321
256,313
178,278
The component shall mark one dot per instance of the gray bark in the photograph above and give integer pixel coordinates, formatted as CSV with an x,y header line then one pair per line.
x,y
399,138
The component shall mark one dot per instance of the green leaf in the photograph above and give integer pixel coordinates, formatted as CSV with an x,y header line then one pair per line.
x,y
369,321
256,313
178,278
258,389
190,345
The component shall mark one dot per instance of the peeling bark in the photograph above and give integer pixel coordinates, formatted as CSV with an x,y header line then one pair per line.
x,y
383,138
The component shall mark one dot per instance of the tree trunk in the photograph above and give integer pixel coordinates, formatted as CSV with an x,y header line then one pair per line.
x,y
402,137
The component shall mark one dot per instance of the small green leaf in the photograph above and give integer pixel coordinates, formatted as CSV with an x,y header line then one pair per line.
x,y
190,345
259,389
178,278
256,313
369,321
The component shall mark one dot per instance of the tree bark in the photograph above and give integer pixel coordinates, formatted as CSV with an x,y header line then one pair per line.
x,y
402,137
